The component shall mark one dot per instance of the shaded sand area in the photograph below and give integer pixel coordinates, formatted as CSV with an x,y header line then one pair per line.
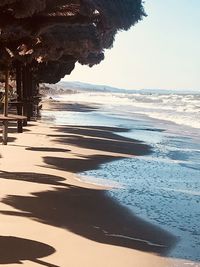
x,y
50,218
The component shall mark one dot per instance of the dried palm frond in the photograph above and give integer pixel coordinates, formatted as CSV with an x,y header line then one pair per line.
x,y
50,36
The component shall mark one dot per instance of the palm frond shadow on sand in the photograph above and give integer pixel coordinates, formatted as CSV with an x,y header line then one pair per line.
x,y
90,213
93,215
15,250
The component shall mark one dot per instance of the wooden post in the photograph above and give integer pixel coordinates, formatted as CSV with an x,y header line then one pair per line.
x,y
36,95
24,86
29,92
5,110
19,96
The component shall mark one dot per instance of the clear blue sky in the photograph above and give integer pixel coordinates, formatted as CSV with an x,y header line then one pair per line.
x,y
162,51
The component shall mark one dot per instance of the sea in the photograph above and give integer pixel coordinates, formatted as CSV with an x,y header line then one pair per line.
x,y
164,186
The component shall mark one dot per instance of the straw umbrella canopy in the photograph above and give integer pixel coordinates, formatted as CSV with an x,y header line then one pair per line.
x,y
41,40
56,34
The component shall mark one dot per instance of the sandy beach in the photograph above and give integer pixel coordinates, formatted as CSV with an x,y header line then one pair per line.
x,y
48,217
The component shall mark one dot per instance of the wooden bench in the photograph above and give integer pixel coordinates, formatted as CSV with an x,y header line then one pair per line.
x,y
5,119
12,117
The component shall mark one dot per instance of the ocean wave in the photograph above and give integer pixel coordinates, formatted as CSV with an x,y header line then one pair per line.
x,y
182,109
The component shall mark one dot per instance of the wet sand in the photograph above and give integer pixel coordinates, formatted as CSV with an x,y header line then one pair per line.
x,y
50,218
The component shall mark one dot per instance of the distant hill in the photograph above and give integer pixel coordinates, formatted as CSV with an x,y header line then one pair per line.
x,y
79,86
64,87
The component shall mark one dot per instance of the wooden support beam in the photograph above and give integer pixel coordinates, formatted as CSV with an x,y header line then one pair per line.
x,y
5,110
32,92
36,103
5,132
19,95
29,92
24,90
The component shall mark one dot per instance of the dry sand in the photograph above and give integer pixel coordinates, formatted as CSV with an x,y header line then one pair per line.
x,y
50,218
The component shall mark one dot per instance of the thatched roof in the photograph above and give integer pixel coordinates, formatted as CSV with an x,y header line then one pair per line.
x,y
52,35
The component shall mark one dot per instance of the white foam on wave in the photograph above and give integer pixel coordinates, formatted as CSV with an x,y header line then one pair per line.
x,y
189,119
182,109
110,184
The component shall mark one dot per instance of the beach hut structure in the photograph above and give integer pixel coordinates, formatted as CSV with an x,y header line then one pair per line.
x,y
5,117
41,40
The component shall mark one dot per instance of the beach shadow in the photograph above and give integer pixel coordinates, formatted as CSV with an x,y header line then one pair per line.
x,y
77,165
13,129
107,132
38,178
95,131
14,250
92,128
93,215
89,213
10,139
47,149
102,139
114,146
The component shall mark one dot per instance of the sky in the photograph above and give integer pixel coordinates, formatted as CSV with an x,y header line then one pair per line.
x,y
161,51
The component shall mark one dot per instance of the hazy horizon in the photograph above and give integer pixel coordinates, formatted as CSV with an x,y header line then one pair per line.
x,y
160,52
129,89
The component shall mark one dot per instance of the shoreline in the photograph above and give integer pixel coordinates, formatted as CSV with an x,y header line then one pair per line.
x,y
175,127
43,202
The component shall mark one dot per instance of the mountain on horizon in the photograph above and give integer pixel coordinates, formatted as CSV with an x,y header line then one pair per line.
x,y
87,87
76,85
